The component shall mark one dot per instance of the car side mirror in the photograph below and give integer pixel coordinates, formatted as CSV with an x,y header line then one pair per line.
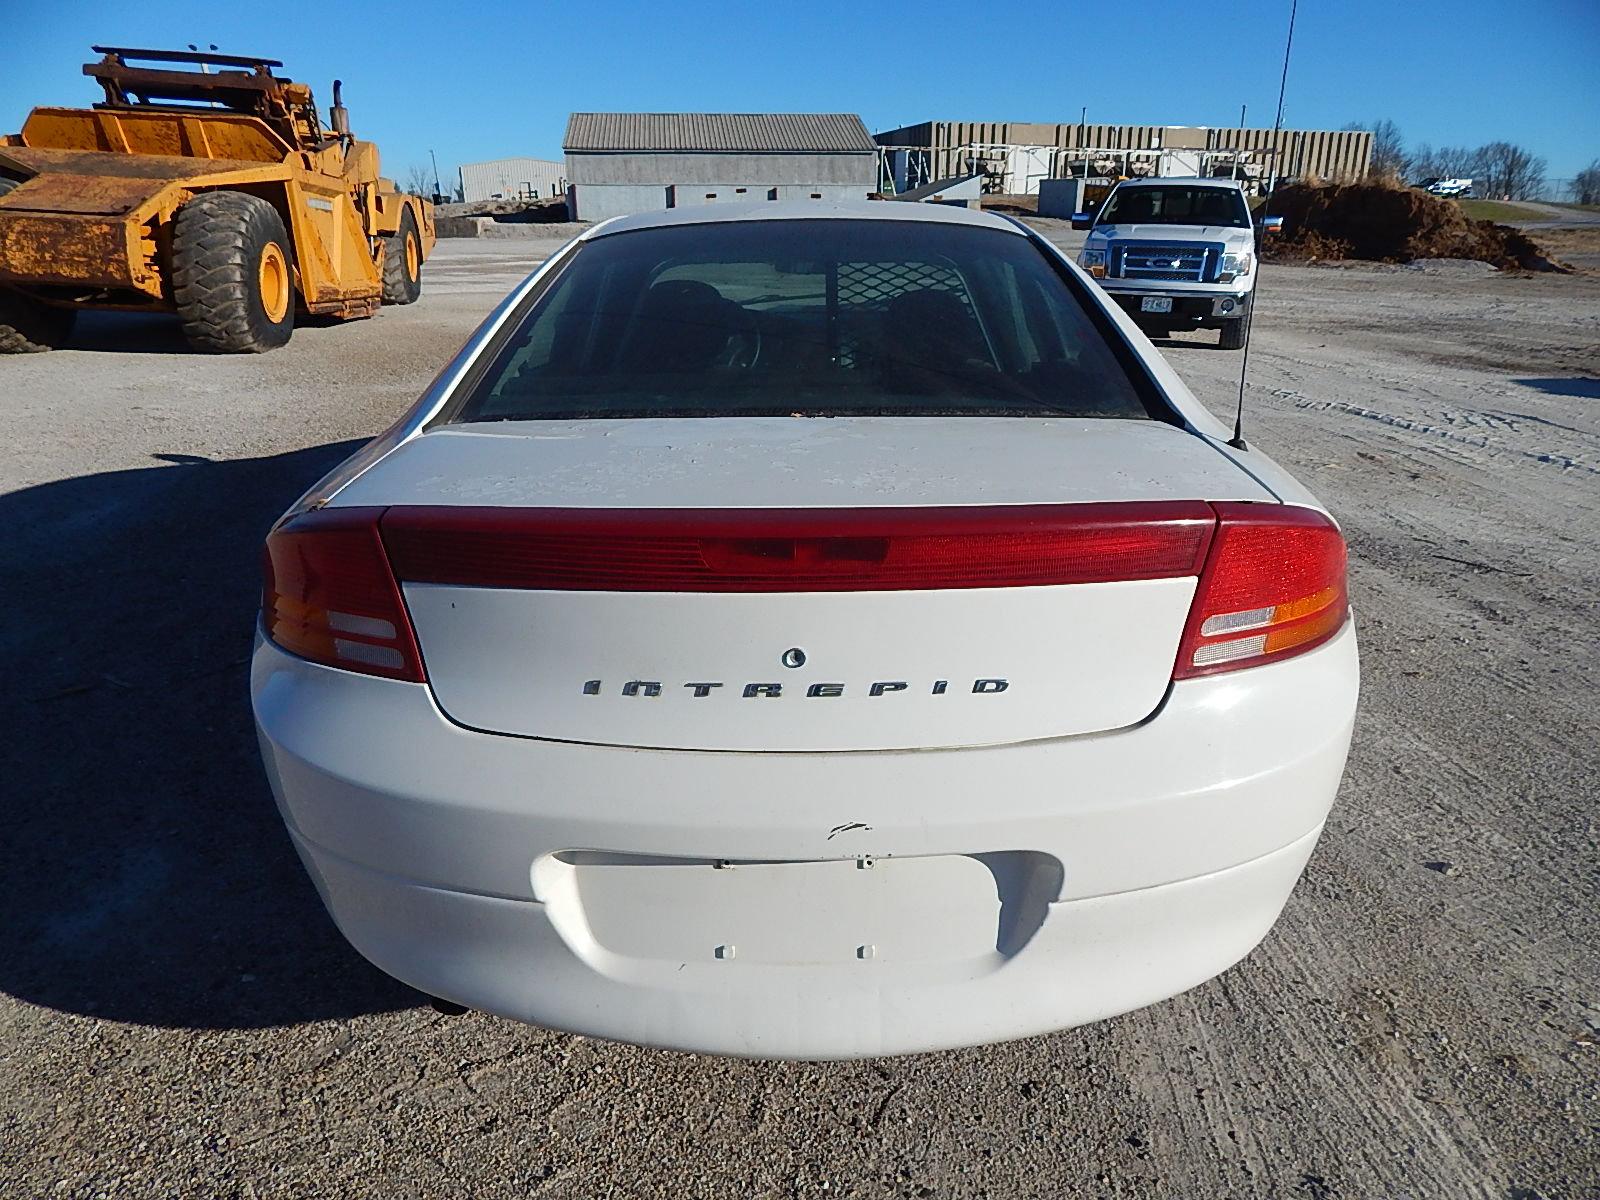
x,y
1271,224
1082,220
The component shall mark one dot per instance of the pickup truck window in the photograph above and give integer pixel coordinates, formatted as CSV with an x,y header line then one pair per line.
x,y
1175,206
806,317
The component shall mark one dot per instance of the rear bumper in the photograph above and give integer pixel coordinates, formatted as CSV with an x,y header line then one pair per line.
x,y
1089,959
1128,866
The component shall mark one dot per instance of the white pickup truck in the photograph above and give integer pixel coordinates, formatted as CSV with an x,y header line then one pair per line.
x,y
1176,254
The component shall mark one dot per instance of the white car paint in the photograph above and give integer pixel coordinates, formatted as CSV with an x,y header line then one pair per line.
x,y
776,462
1071,659
753,878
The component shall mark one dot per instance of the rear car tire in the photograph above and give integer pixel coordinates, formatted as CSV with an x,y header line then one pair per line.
x,y
231,276
402,262
1232,335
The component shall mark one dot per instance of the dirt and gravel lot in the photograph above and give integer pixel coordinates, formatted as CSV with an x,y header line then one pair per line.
x,y
180,1019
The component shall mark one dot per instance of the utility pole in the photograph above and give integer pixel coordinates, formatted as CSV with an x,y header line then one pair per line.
x,y
204,69
1239,149
435,159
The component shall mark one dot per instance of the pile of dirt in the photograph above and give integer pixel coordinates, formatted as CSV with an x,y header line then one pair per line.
x,y
1384,223
1020,206
534,212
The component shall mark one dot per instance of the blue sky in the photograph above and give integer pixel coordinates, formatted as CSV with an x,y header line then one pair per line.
x,y
478,80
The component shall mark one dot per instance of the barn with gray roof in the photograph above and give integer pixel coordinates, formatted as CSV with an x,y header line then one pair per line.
x,y
620,163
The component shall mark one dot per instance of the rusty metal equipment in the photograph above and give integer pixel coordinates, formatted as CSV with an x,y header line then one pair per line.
x,y
216,194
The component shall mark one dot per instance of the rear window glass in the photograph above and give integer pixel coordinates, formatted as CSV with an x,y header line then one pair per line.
x,y
805,318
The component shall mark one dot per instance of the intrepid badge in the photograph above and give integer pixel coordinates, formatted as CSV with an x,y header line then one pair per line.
x,y
701,689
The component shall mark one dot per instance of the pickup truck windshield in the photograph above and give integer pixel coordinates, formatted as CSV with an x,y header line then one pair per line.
x,y
1175,206
807,317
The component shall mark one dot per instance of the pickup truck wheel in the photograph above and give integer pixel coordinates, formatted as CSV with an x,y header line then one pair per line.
x,y
1232,335
402,262
231,276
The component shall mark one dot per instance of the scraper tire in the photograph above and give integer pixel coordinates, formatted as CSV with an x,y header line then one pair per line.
x,y
402,262
231,279
27,327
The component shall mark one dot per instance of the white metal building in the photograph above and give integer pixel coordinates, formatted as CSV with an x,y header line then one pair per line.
x,y
513,179
620,163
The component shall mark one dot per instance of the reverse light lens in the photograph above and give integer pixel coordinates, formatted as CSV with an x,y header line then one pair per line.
x,y
331,598
1273,587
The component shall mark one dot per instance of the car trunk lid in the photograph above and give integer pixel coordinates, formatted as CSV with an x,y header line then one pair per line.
x,y
687,601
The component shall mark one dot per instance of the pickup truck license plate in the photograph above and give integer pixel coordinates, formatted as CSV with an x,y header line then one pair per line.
x,y
1156,304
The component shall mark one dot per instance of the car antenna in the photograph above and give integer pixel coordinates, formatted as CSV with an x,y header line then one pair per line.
x,y
1237,440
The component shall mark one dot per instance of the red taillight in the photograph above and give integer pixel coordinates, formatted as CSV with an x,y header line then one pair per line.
x,y
796,550
1273,587
1272,584
331,597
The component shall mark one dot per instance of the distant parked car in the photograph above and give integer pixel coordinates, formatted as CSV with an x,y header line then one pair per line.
x,y
1448,187
806,631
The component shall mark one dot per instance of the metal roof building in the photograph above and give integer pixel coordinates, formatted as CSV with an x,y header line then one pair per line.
x,y
619,163
512,178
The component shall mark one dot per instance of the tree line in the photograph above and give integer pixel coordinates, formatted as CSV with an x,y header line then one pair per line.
x,y
1500,170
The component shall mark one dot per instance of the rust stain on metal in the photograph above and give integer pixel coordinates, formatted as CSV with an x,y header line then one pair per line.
x,y
53,249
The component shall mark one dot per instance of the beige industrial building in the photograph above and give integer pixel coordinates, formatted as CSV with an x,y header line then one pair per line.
x,y
1015,155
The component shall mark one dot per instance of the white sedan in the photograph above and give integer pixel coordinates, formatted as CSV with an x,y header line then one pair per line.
x,y
806,632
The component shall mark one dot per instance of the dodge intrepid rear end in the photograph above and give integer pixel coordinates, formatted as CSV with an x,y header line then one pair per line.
x,y
806,632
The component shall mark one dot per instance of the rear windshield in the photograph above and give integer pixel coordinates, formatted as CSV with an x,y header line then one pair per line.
x,y
1176,206
804,317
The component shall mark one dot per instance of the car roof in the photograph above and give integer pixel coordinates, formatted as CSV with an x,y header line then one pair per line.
x,y
795,210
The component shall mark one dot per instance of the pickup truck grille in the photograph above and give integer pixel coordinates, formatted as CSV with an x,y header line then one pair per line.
x,y
1181,262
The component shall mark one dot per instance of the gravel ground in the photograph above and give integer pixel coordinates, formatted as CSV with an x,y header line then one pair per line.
x,y
179,1018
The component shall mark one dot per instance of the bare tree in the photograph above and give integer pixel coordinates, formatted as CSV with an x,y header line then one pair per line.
x,y
1585,187
1458,162
1510,172
1388,147
1420,163
419,180
1445,162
